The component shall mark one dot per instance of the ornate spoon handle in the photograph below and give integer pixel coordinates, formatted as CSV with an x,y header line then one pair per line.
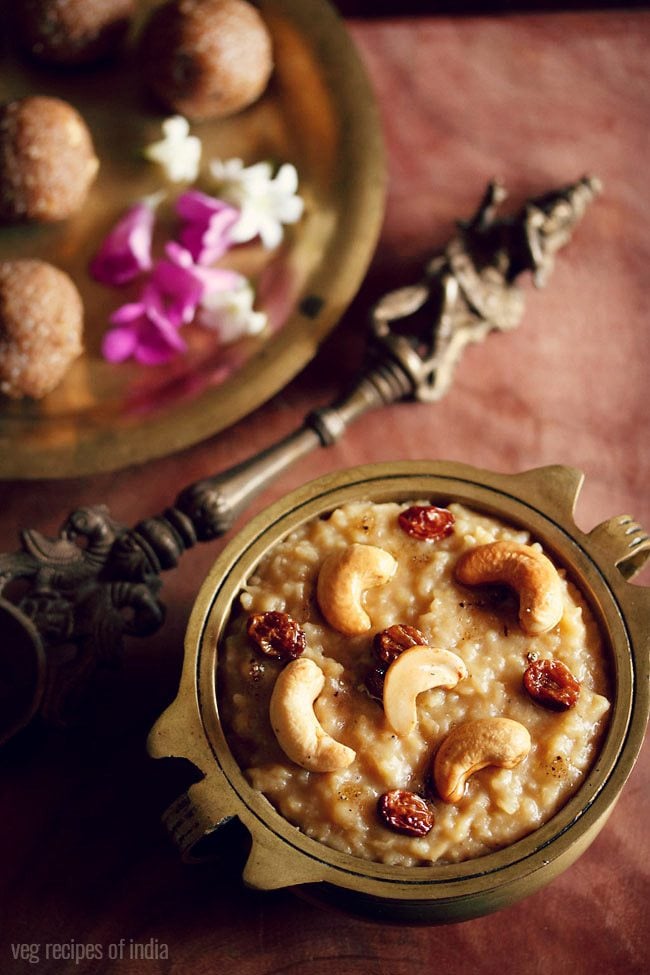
x,y
91,595
207,509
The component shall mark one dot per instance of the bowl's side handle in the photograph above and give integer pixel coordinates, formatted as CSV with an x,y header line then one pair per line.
x,y
624,541
198,823
207,805
190,823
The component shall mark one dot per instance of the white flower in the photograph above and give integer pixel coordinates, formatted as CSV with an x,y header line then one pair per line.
x,y
266,202
230,313
178,152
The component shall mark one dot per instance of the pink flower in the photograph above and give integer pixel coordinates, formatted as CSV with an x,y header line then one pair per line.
x,y
126,251
182,284
142,331
147,330
179,289
207,224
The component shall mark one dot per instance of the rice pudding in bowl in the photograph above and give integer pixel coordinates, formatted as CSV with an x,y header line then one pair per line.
x,y
519,811
424,603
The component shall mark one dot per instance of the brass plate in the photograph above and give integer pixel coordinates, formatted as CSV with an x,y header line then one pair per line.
x,y
319,113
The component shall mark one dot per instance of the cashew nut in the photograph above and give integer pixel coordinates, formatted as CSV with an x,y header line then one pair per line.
x,y
530,573
343,578
417,669
471,746
296,727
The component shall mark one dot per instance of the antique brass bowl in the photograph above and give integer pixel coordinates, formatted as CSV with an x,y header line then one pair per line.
x,y
601,562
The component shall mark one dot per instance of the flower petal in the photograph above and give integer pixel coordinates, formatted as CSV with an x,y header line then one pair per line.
x,y
218,279
179,291
178,152
127,314
290,209
287,178
270,232
165,329
231,313
207,222
119,344
144,331
178,255
152,350
126,250
266,202
195,205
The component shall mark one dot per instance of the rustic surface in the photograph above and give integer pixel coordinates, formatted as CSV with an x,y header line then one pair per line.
x,y
535,99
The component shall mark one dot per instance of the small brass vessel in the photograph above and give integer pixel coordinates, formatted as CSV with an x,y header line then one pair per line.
x,y
601,562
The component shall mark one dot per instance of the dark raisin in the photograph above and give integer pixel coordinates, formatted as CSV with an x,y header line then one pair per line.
x,y
374,681
551,683
388,644
405,812
276,635
426,522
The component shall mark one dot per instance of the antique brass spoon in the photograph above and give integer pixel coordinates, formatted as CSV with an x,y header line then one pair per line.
x,y
99,580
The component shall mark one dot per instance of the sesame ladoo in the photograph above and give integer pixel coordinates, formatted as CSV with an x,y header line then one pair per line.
x,y
47,159
73,32
206,58
41,327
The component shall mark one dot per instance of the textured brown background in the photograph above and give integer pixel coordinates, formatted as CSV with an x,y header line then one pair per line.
x,y
535,99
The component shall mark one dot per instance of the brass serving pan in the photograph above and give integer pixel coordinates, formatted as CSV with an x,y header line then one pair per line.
x,y
601,562
319,113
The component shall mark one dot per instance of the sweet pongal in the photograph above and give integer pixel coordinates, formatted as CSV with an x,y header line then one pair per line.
x,y
413,684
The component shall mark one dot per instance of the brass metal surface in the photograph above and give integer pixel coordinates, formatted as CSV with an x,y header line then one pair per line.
x,y
601,562
319,113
